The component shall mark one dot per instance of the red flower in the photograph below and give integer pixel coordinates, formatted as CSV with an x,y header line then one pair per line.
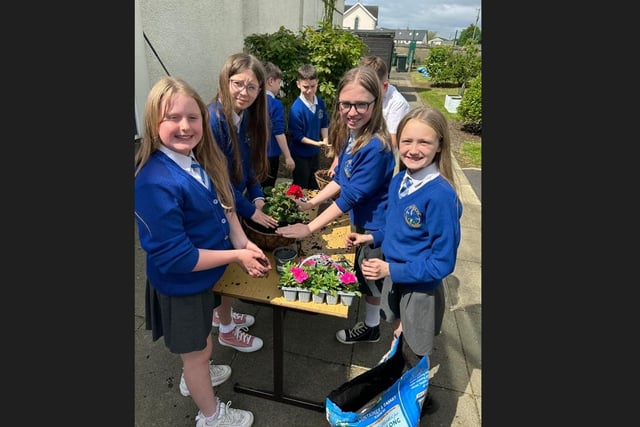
x,y
295,191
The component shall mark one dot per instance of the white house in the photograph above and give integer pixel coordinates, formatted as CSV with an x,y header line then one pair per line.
x,y
439,41
360,17
191,39
408,35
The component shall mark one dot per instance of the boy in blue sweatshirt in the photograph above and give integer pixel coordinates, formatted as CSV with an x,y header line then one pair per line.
x,y
308,127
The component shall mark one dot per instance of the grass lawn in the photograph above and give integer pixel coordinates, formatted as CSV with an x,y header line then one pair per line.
x,y
470,150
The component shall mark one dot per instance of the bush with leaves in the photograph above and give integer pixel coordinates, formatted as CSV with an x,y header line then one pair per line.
x,y
470,108
332,51
285,49
437,64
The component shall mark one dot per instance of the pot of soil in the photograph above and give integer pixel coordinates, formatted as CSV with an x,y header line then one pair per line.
x,y
283,255
265,238
323,178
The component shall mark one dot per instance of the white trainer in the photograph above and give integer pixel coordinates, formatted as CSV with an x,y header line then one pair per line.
x,y
219,374
226,416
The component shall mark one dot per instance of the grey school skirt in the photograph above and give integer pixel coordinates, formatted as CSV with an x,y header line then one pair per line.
x,y
415,309
183,321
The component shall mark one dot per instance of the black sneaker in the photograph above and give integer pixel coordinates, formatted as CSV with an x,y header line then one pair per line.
x,y
429,406
359,333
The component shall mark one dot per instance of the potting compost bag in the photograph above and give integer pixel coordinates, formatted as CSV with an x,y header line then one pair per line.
x,y
383,396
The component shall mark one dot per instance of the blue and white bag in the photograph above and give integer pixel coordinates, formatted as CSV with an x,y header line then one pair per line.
x,y
383,396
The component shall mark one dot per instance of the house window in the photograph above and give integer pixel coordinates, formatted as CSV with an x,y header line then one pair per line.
x,y
356,22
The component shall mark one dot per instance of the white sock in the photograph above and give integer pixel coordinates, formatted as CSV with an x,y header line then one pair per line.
x,y
372,315
225,329
211,419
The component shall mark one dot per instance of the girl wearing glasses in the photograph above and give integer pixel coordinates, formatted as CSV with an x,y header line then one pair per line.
x,y
359,136
239,120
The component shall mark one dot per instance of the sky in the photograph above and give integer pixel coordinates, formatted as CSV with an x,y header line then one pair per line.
x,y
441,16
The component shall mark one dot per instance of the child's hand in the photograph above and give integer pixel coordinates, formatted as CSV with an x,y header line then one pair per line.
x,y
374,268
263,219
356,239
303,205
254,263
295,231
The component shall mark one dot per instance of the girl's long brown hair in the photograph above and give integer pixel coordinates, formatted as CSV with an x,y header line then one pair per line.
x,y
207,152
339,132
257,127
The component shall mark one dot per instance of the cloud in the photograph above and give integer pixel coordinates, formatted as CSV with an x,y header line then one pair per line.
x,y
444,17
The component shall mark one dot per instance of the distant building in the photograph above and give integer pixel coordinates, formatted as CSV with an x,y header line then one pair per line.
x,y
405,36
439,41
360,17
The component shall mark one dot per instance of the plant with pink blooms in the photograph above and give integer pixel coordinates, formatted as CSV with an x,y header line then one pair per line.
x,y
320,273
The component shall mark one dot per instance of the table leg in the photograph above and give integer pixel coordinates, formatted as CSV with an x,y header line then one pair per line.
x,y
278,371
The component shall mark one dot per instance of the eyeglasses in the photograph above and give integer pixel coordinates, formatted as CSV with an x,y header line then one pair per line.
x,y
239,85
361,107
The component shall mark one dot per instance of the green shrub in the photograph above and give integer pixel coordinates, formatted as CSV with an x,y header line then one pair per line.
x,y
332,51
436,64
470,108
286,50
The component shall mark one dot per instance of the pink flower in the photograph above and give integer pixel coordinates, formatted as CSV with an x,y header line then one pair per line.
x,y
347,277
299,274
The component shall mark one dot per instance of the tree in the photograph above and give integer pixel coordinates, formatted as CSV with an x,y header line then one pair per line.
x,y
470,33
465,64
437,62
285,49
329,6
332,51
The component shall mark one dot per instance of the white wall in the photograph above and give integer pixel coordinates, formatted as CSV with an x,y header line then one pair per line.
x,y
193,38
366,21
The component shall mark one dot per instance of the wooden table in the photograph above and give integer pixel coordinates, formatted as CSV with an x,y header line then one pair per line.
x,y
264,291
